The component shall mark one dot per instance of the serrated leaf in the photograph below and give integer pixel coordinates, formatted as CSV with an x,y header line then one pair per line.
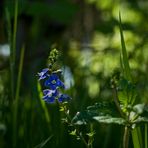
x,y
83,117
103,112
127,93
104,107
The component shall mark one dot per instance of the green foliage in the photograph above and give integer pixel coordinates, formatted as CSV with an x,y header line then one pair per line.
x,y
141,111
107,113
127,93
103,112
77,27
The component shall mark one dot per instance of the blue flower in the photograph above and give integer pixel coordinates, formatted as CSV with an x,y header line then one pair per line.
x,y
50,95
43,74
63,98
53,82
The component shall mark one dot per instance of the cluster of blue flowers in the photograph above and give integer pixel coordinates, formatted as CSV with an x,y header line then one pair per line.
x,y
53,86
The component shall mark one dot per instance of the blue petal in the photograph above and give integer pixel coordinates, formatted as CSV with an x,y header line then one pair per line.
x,y
49,99
47,83
53,77
63,98
46,91
43,74
60,83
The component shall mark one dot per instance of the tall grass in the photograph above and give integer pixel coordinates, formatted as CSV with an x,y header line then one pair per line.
x,y
15,87
16,101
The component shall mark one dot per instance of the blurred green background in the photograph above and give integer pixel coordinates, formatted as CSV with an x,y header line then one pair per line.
x,y
86,33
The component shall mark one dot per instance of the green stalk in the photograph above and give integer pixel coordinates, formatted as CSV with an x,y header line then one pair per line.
x,y
13,49
146,140
69,120
135,138
15,30
136,133
90,140
16,101
9,33
126,137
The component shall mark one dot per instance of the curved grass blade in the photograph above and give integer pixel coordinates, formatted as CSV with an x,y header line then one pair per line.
x,y
42,144
16,101
43,105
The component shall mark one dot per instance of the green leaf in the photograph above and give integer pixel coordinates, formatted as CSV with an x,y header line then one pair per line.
x,y
142,111
103,108
103,112
124,59
83,117
139,108
73,133
110,119
141,119
127,93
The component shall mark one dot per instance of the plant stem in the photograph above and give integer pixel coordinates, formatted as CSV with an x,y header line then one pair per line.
x,y
15,30
9,32
126,137
116,100
146,140
78,132
90,141
12,43
135,137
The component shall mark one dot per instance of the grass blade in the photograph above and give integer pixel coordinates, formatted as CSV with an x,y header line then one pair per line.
x,y
42,144
9,33
43,105
124,59
14,30
16,101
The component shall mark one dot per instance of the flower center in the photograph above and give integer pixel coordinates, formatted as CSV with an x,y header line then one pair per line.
x,y
53,81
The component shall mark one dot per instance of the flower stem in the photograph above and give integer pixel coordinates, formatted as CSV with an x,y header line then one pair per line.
x,y
78,132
